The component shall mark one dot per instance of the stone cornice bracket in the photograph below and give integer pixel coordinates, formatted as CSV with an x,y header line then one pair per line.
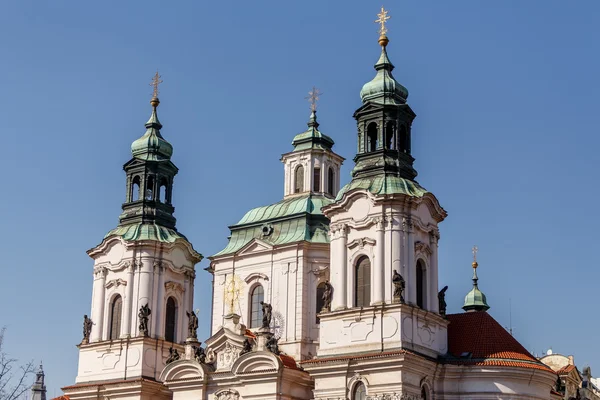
x,y
421,247
361,243
177,287
115,282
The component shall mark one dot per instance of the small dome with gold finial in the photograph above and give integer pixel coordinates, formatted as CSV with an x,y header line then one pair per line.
x,y
152,146
384,88
475,300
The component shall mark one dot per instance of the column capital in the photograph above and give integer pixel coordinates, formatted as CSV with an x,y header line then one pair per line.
x,y
407,224
379,223
100,272
434,236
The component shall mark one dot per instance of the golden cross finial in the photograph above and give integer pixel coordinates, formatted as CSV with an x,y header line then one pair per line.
x,y
233,287
155,82
475,250
313,97
382,19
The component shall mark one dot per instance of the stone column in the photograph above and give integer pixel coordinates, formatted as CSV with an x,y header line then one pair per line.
x,y
159,303
433,276
98,303
127,304
182,316
377,297
190,298
144,292
394,248
411,271
339,268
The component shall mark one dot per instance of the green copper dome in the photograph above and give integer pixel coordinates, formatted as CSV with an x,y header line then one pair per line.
x,y
384,88
475,300
312,138
152,146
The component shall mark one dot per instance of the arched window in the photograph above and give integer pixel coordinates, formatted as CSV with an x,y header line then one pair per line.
x,y
421,282
403,144
162,191
330,181
299,180
316,179
135,189
320,302
116,308
389,136
170,320
423,393
372,137
150,188
256,296
359,392
362,283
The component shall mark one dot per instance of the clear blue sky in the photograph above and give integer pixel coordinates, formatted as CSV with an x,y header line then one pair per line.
x,y
506,136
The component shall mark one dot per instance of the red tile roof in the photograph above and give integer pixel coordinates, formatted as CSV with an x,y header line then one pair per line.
x,y
61,398
476,338
566,369
250,334
288,361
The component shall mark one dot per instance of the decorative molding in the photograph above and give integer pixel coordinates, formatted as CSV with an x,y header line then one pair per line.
x,y
115,282
100,271
361,243
407,224
175,286
422,248
319,270
256,276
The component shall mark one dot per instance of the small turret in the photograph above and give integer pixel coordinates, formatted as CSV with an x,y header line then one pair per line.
x,y
38,389
475,300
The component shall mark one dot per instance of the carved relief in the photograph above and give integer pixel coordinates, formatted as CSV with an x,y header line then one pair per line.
x,y
227,356
227,394
175,286
115,283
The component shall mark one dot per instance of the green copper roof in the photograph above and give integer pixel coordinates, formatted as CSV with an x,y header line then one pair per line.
x,y
145,231
384,88
384,184
152,146
312,138
303,204
475,300
288,221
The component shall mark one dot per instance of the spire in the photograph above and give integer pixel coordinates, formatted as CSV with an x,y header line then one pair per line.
x,y
152,146
38,389
150,175
475,300
384,88
312,137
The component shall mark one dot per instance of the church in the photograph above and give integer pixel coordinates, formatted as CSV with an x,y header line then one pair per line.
x,y
329,293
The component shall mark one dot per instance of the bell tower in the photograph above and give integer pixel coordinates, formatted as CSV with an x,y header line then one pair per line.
x,y
143,284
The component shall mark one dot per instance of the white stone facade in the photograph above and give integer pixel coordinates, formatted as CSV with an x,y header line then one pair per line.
x,y
139,272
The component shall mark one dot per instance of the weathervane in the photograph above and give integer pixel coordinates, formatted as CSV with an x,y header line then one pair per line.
x,y
382,19
155,82
475,250
313,97
232,292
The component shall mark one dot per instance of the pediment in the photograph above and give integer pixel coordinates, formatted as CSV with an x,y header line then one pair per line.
x,y
184,369
256,361
224,347
254,246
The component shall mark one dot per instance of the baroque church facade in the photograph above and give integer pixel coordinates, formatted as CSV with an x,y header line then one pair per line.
x,y
330,293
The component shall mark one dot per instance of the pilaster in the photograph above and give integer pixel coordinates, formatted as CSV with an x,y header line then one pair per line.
x,y
378,291
98,303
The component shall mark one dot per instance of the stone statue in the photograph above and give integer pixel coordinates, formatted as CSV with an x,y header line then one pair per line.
x,y
192,325
87,329
247,347
144,316
267,310
442,301
199,354
327,292
399,285
173,355
272,345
